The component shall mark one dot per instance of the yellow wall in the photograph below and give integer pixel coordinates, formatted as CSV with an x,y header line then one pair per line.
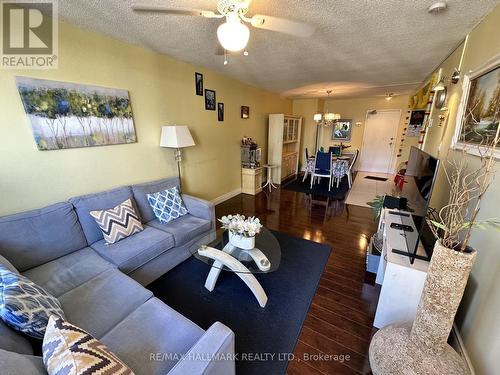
x,y
478,314
162,93
306,108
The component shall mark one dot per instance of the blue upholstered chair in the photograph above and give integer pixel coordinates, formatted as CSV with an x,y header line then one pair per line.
x,y
322,167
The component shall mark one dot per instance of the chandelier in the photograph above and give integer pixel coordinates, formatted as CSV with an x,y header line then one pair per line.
x,y
327,118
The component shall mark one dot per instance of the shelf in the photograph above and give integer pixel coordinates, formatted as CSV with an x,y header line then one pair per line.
x,y
286,154
288,142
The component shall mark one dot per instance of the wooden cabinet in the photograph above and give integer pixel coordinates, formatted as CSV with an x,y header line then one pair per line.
x,y
284,145
251,180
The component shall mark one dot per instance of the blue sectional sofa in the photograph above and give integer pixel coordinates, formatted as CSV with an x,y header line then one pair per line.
x,y
62,249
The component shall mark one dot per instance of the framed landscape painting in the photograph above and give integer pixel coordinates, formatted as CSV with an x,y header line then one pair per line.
x,y
70,115
479,111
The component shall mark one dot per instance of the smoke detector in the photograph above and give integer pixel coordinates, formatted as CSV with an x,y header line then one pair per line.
x,y
437,7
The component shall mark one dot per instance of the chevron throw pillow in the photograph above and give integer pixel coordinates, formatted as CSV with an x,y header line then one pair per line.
x,y
119,222
70,350
167,205
25,306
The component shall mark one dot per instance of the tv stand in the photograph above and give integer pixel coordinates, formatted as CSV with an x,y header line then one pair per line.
x,y
402,280
411,255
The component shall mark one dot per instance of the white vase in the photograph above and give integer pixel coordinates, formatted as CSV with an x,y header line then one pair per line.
x,y
247,243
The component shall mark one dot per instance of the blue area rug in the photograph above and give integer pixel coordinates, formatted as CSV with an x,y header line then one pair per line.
x,y
273,329
319,189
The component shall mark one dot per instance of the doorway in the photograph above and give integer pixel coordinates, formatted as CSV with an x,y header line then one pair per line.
x,y
379,139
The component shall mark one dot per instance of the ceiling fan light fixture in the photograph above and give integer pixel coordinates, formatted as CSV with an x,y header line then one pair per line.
x,y
233,35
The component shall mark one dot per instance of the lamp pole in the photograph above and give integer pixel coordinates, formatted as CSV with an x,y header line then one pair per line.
x,y
178,159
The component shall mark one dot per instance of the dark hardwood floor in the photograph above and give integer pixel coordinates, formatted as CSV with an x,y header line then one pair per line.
x,y
339,321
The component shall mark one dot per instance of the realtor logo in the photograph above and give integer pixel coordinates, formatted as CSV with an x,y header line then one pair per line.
x,y
28,34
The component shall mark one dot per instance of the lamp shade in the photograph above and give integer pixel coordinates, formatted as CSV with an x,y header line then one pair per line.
x,y
176,137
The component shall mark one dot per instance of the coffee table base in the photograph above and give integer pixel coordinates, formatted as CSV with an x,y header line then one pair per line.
x,y
222,259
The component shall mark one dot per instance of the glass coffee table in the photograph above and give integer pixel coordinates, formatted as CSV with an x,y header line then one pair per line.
x,y
222,255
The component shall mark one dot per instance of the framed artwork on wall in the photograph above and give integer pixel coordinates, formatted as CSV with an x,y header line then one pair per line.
x,y
245,112
210,100
220,111
417,118
479,111
71,115
198,80
342,130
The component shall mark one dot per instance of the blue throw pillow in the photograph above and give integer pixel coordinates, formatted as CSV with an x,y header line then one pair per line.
x,y
167,205
25,306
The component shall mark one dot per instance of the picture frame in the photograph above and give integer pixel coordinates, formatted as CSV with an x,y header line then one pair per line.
x,y
198,82
220,111
478,111
342,130
245,112
210,100
417,119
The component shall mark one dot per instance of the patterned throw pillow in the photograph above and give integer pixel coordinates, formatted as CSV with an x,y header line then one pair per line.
x,y
70,350
24,305
167,205
119,222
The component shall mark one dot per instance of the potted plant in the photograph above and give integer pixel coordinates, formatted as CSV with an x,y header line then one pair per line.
x,y
242,230
423,349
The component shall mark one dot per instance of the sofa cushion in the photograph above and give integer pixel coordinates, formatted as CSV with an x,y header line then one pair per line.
x,y
102,302
167,205
8,265
118,222
184,228
134,251
154,328
63,274
25,306
20,364
68,349
31,238
140,195
13,341
99,201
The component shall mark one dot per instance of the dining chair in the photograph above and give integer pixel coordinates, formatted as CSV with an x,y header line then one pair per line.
x,y
351,166
309,164
322,167
335,150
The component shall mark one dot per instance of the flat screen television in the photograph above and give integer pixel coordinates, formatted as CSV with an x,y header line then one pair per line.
x,y
420,177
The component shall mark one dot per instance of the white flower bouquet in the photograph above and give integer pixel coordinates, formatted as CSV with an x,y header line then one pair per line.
x,y
241,225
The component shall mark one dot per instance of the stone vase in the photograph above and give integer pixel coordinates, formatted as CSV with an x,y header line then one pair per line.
x,y
423,349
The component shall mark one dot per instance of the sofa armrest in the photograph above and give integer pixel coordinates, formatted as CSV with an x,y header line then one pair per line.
x,y
200,208
213,353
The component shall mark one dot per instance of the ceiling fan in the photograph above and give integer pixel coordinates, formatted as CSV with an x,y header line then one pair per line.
x,y
234,34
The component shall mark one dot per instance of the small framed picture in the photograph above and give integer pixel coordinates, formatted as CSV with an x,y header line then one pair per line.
x,y
198,80
220,111
245,112
342,130
210,100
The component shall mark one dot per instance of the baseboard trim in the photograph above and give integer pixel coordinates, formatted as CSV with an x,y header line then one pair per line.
x,y
225,197
458,344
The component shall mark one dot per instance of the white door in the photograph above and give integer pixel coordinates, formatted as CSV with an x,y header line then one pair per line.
x,y
379,140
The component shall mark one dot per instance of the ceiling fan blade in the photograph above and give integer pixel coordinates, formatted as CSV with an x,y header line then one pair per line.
x,y
282,25
179,12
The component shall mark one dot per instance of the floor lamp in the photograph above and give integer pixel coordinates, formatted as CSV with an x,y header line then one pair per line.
x,y
177,137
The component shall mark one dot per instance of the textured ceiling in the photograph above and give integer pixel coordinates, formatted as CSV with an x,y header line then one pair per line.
x,y
360,48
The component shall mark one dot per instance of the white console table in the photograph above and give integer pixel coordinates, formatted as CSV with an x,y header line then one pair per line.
x,y
402,282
